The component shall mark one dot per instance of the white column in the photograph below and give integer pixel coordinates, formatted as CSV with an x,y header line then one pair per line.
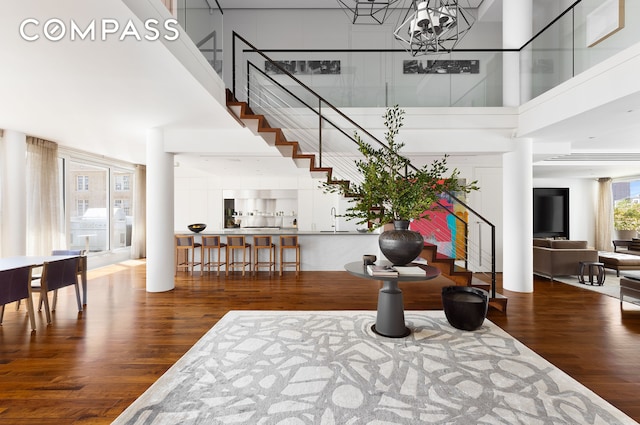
x,y
517,19
517,217
160,232
14,194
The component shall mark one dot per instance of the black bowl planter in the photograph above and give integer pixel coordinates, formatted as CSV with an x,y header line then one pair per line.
x,y
401,245
465,307
197,227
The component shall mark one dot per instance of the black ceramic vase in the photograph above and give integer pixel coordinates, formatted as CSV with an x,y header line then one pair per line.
x,y
401,245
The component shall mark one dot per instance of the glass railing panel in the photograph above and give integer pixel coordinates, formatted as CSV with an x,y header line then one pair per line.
x,y
472,79
204,26
382,79
585,12
548,61
327,73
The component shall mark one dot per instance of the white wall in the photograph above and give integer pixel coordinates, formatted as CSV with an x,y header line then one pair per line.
x,y
582,205
199,198
488,203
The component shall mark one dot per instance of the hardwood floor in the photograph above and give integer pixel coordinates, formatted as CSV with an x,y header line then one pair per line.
x,y
87,368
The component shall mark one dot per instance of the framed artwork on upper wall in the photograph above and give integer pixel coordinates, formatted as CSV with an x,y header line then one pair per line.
x,y
304,67
604,21
439,66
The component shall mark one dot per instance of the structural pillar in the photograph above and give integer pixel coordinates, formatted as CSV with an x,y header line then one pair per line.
x,y
14,194
517,217
517,193
517,18
160,222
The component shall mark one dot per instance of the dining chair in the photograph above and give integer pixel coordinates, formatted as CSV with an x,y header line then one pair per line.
x,y
82,270
82,267
15,286
55,275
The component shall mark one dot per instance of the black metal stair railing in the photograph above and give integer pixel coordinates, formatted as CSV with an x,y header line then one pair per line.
x,y
323,130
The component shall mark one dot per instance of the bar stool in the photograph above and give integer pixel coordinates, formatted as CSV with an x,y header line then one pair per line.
x,y
185,247
235,243
289,243
262,243
212,243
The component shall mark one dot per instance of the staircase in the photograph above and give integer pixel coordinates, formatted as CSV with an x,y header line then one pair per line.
x,y
274,136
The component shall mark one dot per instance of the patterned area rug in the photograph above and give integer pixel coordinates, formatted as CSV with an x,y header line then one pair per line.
x,y
328,367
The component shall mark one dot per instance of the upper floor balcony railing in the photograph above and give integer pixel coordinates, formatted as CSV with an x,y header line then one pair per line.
x,y
202,20
564,48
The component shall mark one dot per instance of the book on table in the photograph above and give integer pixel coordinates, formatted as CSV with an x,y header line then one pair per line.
x,y
419,260
382,271
409,270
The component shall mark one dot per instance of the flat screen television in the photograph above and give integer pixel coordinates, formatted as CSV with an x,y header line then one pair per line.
x,y
551,212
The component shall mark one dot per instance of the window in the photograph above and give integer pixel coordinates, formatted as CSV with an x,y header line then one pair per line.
x,y
81,207
97,199
122,204
121,183
121,220
82,183
626,208
88,227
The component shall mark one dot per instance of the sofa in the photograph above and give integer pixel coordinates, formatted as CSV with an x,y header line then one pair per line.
x,y
632,247
622,259
629,286
560,257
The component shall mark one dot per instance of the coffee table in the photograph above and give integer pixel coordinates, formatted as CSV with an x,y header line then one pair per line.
x,y
390,314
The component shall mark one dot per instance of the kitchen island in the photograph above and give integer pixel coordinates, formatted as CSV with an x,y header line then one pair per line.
x,y
319,250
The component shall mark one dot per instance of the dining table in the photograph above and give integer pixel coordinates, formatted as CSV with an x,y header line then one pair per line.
x,y
8,263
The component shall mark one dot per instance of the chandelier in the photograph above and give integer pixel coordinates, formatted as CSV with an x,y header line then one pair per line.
x,y
432,26
366,11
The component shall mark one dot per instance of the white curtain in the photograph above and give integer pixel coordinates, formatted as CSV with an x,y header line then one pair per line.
x,y
1,183
139,233
43,197
604,215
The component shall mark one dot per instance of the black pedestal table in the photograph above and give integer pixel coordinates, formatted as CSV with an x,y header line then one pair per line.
x,y
390,314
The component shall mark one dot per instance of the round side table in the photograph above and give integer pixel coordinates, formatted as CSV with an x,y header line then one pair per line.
x,y
390,314
594,269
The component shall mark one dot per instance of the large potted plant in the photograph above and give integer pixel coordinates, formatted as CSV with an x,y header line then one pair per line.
x,y
626,219
392,191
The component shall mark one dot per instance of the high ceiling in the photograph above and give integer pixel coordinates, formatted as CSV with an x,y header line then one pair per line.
x,y
103,97
292,4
